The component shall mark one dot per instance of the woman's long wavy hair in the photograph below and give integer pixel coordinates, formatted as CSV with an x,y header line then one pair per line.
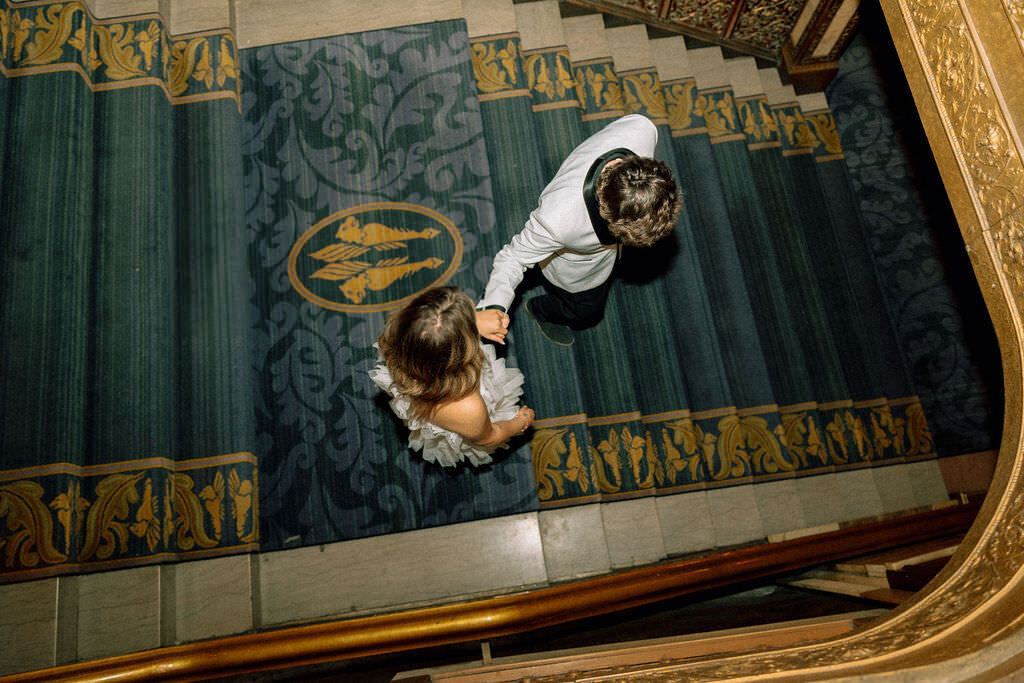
x,y
432,349
639,199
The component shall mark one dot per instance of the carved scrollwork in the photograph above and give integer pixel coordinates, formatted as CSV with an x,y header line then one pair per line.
x,y
991,162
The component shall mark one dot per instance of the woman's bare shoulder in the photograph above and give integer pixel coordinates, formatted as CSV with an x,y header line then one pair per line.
x,y
466,415
467,406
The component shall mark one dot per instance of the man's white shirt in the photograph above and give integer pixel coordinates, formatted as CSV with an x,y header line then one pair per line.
x,y
558,235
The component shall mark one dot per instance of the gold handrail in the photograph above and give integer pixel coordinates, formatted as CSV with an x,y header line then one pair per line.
x,y
504,615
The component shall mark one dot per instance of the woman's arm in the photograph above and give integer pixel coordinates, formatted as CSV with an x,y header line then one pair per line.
x,y
468,417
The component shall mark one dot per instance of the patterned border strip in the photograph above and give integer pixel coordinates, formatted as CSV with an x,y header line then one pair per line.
x,y
599,89
64,517
497,67
642,93
502,70
47,37
578,457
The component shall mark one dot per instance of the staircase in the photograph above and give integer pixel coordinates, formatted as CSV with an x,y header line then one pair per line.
x,y
629,528
688,375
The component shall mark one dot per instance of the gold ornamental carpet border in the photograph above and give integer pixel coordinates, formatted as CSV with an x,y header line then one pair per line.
x,y
46,37
66,518
580,458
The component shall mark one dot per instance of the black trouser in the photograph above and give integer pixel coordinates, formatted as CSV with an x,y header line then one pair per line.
x,y
575,309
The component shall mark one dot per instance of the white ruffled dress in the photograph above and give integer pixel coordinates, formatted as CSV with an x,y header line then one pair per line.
x,y
500,387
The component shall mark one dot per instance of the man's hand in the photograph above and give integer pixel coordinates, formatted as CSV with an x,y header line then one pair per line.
x,y
493,324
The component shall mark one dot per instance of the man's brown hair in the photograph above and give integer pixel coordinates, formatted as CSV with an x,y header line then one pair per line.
x,y
639,199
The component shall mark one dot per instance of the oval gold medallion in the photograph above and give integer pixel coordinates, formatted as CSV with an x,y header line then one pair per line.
x,y
374,257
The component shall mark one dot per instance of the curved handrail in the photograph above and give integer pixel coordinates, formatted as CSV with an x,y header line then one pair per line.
x,y
504,615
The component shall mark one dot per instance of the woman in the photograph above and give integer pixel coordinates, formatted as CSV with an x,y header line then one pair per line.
x,y
458,400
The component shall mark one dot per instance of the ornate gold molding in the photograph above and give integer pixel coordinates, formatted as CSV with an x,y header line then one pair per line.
x,y
1015,12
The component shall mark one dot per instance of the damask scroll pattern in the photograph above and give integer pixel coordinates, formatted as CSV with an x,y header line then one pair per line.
x,y
384,118
550,79
599,87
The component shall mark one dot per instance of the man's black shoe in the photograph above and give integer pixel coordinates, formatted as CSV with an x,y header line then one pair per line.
x,y
560,334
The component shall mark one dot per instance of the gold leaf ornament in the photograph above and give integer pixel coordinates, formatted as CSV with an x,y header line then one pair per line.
x,y
185,61
548,448
241,493
70,507
538,77
733,460
27,519
105,529
117,51
564,82
80,41
674,462
825,127
837,433
147,525
855,425
148,40
679,104
765,451
21,27
5,27
55,25
918,432
605,457
492,75
575,469
190,530
227,62
644,94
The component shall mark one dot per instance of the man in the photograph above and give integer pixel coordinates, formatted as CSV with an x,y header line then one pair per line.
x,y
607,193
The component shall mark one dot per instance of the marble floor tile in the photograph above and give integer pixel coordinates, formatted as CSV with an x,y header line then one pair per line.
x,y
821,499
632,532
895,488
858,494
540,24
401,570
926,478
118,612
685,521
489,17
28,625
574,542
780,507
213,598
735,515
268,22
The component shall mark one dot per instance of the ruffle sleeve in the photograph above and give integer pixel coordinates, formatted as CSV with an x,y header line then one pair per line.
x,y
500,387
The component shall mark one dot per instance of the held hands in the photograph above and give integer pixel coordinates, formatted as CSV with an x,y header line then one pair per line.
x,y
493,324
